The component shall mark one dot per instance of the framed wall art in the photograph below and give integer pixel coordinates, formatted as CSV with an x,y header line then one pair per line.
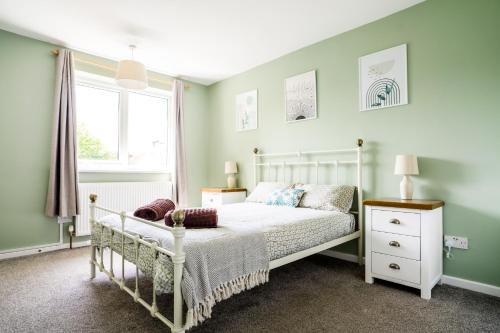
x,y
300,97
383,79
246,111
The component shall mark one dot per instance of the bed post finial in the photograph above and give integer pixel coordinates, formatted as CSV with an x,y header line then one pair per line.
x,y
93,198
178,217
256,150
360,142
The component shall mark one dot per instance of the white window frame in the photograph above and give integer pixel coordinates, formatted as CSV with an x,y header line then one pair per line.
x,y
121,165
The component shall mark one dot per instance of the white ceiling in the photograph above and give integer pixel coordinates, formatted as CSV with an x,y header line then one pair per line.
x,y
201,40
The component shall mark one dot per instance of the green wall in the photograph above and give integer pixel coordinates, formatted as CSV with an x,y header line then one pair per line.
x,y
451,122
26,110
26,100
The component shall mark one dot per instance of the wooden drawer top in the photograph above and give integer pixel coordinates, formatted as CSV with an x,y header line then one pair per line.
x,y
222,189
399,203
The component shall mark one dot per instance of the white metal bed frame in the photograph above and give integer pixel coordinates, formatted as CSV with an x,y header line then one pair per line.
x,y
178,232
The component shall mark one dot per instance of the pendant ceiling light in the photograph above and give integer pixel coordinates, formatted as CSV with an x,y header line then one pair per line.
x,y
132,74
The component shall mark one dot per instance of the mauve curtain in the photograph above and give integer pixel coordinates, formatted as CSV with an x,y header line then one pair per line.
x,y
180,174
62,194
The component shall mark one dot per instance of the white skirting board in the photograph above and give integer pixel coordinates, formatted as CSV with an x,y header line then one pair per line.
x,y
446,279
26,251
471,285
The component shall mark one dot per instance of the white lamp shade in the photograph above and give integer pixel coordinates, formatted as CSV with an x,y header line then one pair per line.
x,y
132,74
230,167
406,165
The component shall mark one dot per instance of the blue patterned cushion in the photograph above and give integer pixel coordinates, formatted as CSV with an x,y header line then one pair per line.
x,y
285,197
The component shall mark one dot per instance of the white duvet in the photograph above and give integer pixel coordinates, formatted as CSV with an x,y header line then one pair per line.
x,y
287,230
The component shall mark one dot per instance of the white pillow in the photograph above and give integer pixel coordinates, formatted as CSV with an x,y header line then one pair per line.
x,y
327,197
263,190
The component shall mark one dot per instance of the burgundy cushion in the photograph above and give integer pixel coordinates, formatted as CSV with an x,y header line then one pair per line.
x,y
155,210
196,218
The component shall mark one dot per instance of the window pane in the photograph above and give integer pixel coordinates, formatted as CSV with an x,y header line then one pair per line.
x,y
147,131
98,121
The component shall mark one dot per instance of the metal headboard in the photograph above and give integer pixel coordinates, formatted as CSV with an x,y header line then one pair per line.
x,y
259,162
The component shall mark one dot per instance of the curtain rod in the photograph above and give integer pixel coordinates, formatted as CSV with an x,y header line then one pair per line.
x,y
113,69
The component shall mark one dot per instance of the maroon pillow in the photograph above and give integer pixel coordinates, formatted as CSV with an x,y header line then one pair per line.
x,y
155,210
196,218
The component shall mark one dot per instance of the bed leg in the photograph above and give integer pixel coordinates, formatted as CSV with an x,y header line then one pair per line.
x,y
360,251
92,261
178,260
93,248
360,201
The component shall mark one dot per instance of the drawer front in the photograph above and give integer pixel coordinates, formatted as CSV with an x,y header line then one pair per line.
x,y
396,222
211,199
396,267
232,197
396,245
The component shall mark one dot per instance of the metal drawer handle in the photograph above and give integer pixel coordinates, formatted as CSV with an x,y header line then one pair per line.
x,y
395,221
394,243
394,266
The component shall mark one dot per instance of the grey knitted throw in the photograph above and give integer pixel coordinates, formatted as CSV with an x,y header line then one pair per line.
x,y
217,269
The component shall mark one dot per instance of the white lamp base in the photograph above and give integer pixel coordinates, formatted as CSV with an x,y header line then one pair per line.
x,y
406,188
231,181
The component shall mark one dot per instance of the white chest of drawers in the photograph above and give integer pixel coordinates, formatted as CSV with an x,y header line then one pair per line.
x,y
213,197
404,242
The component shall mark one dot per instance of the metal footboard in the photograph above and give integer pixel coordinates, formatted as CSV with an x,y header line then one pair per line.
x,y
178,259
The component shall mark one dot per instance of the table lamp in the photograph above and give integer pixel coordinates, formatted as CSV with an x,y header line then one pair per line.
x,y
231,169
406,165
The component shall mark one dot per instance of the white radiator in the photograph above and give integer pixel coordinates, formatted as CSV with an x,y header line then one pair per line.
x,y
119,197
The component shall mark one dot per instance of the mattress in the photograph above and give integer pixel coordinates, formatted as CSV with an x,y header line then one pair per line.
x,y
287,230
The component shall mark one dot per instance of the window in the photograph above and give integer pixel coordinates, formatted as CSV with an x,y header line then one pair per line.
x,y
147,135
120,130
98,117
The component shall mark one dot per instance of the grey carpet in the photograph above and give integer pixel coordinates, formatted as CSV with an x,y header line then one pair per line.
x,y
52,293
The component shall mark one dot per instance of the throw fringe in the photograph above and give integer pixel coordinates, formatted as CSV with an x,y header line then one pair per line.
x,y
203,310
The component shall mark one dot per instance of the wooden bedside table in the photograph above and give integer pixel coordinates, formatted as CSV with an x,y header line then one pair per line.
x,y
404,242
217,196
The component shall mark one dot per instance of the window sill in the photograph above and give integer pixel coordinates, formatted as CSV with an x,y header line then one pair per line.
x,y
165,172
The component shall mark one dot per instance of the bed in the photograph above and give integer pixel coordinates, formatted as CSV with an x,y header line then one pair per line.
x,y
251,237
287,231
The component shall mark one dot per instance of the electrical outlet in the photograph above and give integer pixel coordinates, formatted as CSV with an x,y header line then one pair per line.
x,y
457,242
